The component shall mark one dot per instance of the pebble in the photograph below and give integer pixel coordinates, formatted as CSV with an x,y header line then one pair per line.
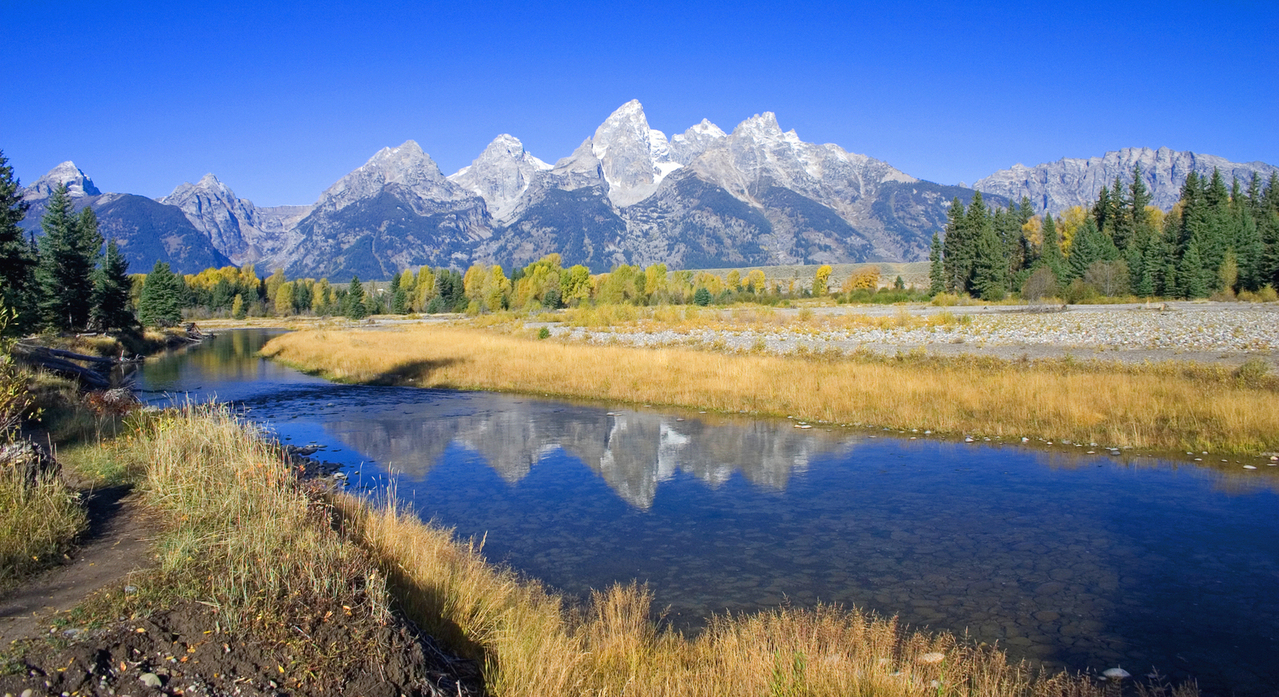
x,y
1225,329
150,680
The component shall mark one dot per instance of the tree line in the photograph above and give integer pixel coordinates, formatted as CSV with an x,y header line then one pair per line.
x,y
1216,241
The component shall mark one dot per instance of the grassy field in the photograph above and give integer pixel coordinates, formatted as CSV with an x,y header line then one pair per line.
x,y
1159,407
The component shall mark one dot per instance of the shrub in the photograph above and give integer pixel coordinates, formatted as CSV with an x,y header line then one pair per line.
x,y
1041,284
702,297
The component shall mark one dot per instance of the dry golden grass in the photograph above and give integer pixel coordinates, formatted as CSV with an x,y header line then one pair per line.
x,y
238,531
532,644
39,521
1160,406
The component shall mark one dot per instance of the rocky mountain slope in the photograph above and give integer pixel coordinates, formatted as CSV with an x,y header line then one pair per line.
x,y
146,230
245,233
1056,186
703,198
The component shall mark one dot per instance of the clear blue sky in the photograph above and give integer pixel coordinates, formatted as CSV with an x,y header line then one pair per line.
x,y
281,102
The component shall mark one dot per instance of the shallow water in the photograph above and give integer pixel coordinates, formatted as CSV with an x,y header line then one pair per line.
x,y
1072,560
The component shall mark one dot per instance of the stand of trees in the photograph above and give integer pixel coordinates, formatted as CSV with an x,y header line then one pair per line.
x,y
1215,241
67,282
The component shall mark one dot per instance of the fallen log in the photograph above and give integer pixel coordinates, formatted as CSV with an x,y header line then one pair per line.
x,y
46,359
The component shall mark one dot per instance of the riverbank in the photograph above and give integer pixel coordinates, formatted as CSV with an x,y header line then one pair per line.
x,y
1167,406
262,583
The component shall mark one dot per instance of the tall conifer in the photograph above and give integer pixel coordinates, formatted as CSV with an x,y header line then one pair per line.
x,y
111,291
17,263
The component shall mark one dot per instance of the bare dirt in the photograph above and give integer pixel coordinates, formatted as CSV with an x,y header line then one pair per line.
x,y
182,651
116,543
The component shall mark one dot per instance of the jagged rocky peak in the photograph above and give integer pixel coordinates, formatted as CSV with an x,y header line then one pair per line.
x,y
1056,186
686,146
208,186
633,157
78,183
406,166
500,175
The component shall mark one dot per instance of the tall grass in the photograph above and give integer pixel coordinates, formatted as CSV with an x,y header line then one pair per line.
x,y
238,531
532,643
39,520
1155,406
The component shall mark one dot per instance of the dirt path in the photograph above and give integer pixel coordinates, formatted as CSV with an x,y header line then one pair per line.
x,y
117,542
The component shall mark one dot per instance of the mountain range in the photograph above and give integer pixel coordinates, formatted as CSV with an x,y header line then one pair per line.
x,y
703,198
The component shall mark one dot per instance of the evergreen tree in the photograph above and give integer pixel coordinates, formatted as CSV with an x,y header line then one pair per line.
x,y
355,307
111,287
17,264
957,259
399,298
1090,245
1101,210
1192,279
936,272
68,255
1050,250
1268,231
1249,250
160,304
990,265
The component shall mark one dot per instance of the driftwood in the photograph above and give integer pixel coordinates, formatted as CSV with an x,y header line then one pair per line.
x,y
59,362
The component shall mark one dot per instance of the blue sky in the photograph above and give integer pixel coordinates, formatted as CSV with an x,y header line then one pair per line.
x,y
282,100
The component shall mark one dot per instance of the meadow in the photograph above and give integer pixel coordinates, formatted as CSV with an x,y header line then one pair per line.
x,y
1164,406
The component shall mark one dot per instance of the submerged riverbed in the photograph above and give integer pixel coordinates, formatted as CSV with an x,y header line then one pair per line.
x,y
1065,558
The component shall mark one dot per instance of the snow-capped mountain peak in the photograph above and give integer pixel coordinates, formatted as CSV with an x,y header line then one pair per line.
x,y
78,183
501,174
633,157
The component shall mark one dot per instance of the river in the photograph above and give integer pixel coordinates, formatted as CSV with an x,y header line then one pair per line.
x,y
1068,559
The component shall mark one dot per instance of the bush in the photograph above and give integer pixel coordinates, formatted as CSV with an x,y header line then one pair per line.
x,y
1110,278
1079,292
945,300
702,297
544,333
1041,284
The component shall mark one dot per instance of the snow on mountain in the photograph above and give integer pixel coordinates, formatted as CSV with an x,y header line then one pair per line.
x,y
1056,186
78,183
500,175
633,157
686,146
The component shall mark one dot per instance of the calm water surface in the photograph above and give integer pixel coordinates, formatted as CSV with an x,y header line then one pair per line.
x,y
1071,560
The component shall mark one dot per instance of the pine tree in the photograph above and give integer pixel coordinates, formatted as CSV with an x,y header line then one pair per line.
x,y
68,255
399,299
1087,248
1249,250
111,287
355,307
936,272
990,265
160,304
957,260
1050,250
1191,277
17,264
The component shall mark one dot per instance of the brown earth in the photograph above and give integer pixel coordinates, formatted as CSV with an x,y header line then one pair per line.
x,y
182,651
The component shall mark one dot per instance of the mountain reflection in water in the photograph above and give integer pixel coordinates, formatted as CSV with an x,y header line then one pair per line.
x,y
633,451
